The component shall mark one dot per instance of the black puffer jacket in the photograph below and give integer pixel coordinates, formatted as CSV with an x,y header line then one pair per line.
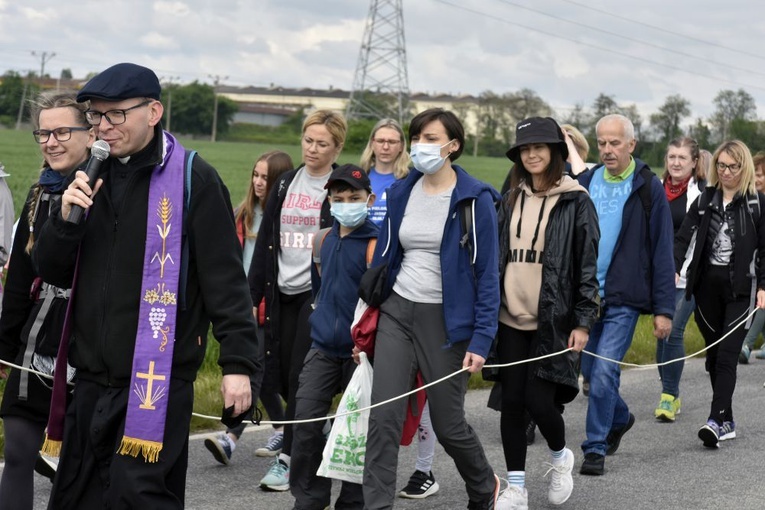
x,y
108,291
569,295
745,216
264,270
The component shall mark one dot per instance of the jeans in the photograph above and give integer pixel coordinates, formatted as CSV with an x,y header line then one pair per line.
x,y
673,347
758,324
611,337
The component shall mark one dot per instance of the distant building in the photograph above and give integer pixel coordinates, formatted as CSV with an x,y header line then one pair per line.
x,y
270,106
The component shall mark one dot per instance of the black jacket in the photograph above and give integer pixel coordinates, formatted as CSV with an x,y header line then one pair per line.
x,y
264,270
569,295
746,219
108,289
18,294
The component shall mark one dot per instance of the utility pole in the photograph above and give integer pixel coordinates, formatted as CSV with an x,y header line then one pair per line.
x,y
216,80
21,105
44,58
381,69
170,80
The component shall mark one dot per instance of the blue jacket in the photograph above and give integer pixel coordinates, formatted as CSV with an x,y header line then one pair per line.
x,y
470,290
336,291
642,272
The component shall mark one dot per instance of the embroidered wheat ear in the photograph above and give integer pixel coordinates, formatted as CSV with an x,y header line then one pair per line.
x,y
165,212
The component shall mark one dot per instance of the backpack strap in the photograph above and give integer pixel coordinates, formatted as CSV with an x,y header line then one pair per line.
x,y
183,279
371,245
466,223
645,192
318,241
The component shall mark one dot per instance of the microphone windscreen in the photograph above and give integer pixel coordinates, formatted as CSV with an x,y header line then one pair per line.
x,y
100,150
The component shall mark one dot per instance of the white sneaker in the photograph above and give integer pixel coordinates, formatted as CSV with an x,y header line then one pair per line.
x,y
561,481
513,498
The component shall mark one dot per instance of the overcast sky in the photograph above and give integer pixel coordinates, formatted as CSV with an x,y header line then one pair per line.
x,y
568,51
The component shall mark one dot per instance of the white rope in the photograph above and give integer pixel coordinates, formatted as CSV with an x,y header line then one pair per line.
x,y
463,369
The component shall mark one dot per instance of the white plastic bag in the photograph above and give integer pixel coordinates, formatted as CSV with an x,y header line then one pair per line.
x,y
343,456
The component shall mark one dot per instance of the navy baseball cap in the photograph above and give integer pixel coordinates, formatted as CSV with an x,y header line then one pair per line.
x,y
121,81
537,130
351,174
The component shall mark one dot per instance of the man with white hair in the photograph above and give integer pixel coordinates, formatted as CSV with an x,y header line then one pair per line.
x,y
635,273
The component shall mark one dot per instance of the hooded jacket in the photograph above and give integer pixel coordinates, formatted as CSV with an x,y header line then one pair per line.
x,y
568,291
469,273
108,292
336,291
642,270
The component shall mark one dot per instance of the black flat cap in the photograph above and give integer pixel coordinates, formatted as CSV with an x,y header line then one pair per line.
x,y
121,81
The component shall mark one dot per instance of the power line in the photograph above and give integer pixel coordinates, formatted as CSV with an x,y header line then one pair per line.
x,y
664,30
600,30
600,48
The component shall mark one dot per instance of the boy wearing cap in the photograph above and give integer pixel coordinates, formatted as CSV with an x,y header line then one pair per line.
x,y
154,263
328,367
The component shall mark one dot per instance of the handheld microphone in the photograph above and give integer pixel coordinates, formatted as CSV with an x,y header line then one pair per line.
x,y
98,153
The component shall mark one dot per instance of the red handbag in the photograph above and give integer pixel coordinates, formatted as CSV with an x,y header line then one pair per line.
x,y
364,327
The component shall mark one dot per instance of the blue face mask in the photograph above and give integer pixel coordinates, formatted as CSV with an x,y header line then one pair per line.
x,y
427,158
349,215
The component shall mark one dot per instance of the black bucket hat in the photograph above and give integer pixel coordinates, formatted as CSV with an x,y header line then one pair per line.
x,y
537,130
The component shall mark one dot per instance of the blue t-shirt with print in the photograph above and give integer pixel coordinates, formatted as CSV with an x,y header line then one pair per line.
x,y
380,184
609,199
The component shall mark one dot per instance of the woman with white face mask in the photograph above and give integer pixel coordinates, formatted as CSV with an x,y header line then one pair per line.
x,y
440,310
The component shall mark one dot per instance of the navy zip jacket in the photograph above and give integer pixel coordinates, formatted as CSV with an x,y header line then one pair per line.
x,y
336,291
642,270
470,289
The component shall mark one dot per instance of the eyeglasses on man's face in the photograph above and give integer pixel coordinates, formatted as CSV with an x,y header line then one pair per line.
x,y
113,117
61,134
733,168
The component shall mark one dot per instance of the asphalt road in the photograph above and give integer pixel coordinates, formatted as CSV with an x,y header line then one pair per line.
x,y
658,466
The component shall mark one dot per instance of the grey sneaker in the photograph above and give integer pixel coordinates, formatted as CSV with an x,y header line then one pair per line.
x,y
273,447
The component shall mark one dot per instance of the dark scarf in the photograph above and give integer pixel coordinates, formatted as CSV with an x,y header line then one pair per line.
x,y
52,181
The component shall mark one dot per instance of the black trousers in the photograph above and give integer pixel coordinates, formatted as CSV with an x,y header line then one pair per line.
x,y
92,476
523,391
717,312
294,327
322,378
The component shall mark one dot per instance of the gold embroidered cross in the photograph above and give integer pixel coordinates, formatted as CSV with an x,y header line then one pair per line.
x,y
148,403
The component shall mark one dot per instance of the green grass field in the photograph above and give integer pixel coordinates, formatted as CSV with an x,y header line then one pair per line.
x,y
21,157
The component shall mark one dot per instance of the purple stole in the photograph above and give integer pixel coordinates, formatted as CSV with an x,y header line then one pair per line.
x,y
155,336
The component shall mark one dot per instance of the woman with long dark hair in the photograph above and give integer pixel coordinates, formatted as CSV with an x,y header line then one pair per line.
x,y
548,239
248,216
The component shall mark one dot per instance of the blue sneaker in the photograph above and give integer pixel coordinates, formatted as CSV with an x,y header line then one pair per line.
x,y
760,353
278,477
728,430
710,434
220,447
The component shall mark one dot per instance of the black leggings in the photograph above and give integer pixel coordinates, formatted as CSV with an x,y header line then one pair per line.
x,y
522,391
293,328
23,439
717,312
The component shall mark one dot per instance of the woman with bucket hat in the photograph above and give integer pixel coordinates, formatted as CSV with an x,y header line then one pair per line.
x,y
548,241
